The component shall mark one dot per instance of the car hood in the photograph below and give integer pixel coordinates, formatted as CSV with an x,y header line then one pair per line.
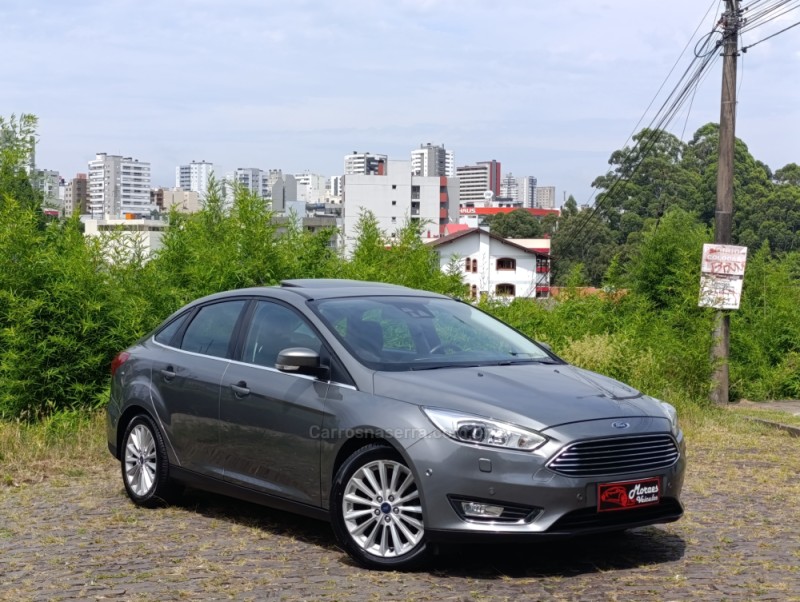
x,y
544,395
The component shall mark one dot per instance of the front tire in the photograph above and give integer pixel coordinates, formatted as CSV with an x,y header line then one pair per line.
x,y
145,467
376,511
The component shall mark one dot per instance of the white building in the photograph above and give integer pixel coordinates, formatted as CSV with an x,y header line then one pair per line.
x,y
333,190
545,197
509,187
493,266
478,182
124,237
119,185
396,196
432,160
522,190
365,164
252,179
310,187
49,183
194,177
526,188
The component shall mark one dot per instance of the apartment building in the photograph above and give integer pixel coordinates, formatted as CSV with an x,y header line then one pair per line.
x,y
118,186
251,179
76,195
183,201
365,164
49,183
479,181
545,197
394,196
310,187
522,190
194,176
433,160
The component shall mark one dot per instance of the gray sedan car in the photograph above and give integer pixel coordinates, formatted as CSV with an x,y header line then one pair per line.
x,y
405,418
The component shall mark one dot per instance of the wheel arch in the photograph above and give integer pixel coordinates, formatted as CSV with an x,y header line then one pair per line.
x,y
364,437
133,410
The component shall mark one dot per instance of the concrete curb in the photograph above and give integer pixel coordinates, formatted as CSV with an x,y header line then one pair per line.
x,y
794,431
787,406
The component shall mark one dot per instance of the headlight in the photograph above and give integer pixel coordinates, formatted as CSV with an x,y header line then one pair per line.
x,y
672,414
477,430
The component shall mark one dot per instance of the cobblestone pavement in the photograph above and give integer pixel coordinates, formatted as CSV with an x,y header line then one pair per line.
x,y
76,537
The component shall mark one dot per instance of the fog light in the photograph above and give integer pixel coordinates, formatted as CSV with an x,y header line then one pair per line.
x,y
478,510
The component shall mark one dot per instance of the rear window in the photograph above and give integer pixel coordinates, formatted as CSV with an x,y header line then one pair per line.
x,y
211,329
168,332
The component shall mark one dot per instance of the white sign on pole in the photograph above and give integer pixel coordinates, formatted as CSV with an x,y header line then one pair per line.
x,y
722,276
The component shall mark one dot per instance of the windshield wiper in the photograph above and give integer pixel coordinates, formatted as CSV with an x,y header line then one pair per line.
x,y
527,360
438,366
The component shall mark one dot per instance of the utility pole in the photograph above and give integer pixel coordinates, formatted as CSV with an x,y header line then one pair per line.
x,y
724,212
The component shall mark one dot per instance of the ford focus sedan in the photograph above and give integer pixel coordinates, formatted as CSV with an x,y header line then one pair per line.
x,y
405,418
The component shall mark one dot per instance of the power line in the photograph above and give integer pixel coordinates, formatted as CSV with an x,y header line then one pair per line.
x,y
643,147
666,112
769,13
746,48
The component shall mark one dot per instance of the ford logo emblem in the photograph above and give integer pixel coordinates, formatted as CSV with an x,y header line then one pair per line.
x,y
620,425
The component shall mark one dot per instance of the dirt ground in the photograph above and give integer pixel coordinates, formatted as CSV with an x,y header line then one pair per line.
x,y
77,537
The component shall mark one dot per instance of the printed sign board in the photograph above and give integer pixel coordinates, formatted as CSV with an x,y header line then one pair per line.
x,y
722,275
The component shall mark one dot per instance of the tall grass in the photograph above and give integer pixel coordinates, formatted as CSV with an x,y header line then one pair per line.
x,y
67,444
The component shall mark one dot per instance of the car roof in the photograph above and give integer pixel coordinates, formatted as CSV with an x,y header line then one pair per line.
x,y
323,288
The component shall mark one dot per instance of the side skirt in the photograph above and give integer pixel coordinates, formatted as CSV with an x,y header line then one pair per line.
x,y
203,483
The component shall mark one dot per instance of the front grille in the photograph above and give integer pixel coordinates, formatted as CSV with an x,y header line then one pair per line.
x,y
621,455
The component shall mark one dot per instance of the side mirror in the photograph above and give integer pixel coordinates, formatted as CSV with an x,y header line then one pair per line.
x,y
299,360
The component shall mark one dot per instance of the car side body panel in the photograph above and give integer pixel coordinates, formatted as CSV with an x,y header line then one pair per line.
x,y
267,438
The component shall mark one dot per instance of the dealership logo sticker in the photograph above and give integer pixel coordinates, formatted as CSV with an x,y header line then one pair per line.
x,y
629,494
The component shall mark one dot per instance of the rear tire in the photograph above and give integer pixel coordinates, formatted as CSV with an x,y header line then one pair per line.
x,y
144,463
376,511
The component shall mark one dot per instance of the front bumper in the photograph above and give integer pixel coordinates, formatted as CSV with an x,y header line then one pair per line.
x,y
560,506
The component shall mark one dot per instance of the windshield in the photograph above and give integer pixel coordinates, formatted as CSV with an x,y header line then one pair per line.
x,y
413,333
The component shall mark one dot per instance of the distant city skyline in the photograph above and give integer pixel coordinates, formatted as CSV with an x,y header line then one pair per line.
x,y
547,89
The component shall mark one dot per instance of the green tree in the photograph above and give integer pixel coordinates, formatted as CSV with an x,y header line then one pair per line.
x,y
64,313
17,136
570,207
765,331
788,174
665,268
516,224
775,221
751,186
645,180
581,239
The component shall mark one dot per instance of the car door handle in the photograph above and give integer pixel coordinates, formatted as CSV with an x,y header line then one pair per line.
x,y
240,389
168,373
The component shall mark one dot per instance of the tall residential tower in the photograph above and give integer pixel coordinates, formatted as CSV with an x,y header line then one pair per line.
x,y
118,185
432,160
194,177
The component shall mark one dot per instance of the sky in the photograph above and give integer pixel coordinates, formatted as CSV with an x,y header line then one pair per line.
x,y
548,88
